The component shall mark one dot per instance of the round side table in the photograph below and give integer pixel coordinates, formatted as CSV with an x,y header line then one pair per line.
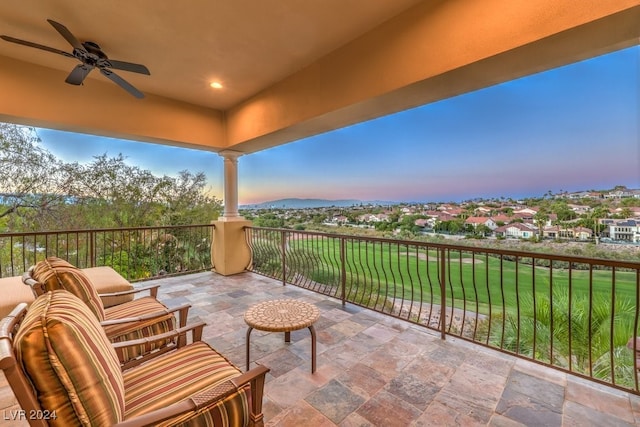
x,y
284,315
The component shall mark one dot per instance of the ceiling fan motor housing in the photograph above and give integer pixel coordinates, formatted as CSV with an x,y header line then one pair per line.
x,y
92,55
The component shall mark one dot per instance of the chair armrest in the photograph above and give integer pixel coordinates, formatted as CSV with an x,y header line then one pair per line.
x,y
9,322
195,329
207,398
153,290
36,287
182,309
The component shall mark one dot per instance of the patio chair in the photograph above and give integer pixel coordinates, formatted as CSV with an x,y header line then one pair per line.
x,y
130,320
63,370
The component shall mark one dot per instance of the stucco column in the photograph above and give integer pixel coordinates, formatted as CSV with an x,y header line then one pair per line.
x,y
230,253
230,185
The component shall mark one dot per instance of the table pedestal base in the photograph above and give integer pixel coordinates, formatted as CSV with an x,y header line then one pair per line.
x,y
287,338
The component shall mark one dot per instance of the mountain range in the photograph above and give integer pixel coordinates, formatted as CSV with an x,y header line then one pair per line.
x,y
294,203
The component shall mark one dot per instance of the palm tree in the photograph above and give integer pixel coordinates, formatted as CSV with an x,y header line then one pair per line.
x,y
597,214
541,217
573,334
626,212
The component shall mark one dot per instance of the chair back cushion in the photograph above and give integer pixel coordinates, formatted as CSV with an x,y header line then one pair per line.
x,y
55,273
71,364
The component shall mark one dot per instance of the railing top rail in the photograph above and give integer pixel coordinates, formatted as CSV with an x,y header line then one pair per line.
x,y
100,230
464,248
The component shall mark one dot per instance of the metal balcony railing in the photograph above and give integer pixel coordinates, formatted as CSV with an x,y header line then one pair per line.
x,y
136,253
571,313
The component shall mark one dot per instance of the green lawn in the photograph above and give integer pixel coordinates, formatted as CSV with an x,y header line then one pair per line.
x,y
476,283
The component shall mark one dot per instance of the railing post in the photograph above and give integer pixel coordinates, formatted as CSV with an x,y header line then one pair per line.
x,y
92,248
343,272
284,257
443,296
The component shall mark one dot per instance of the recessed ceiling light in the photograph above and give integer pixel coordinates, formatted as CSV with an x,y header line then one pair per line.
x,y
216,85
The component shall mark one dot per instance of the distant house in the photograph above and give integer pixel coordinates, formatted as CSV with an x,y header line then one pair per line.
x,y
475,221
373,217
339,219
482,210
451,210
627,230
579,209
501,218
582,233
524,216
445,216
422,222
557,232
526,212
516,230
445,207
619,194
585,195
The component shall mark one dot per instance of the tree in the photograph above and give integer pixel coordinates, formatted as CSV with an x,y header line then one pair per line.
x,y
128,196
482,230
455,226
408,221
563,211
626,213
541,217
41,192
630,201
34,183
269,220
595,216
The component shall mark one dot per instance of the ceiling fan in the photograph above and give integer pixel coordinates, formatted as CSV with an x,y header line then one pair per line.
x,y
90,56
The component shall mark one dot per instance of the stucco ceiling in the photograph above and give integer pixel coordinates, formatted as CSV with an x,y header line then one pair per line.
x,y
247,45
290,68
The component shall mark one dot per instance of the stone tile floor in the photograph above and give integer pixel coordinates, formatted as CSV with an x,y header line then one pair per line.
x,y
374,370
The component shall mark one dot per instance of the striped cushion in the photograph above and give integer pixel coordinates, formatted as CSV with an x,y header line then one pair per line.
x,y
70,362
136,330
177,375
55,273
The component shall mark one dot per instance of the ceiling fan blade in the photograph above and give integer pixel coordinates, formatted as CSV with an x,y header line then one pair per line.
x,y
36,45
122,83
64,32
78,74
128,66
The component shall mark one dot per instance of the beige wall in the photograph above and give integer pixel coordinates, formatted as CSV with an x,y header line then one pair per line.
x,y
38,96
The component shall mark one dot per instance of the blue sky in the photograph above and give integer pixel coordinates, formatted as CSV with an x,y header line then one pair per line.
x,y
573,128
